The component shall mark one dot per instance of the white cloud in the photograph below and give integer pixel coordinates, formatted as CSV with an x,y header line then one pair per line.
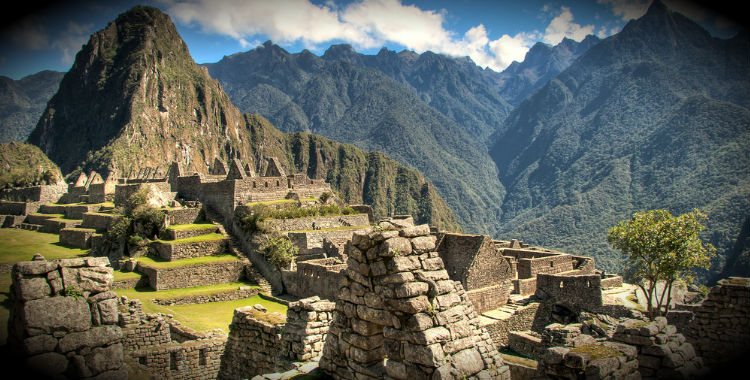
x,y
563,26
627,9
71,40
365,24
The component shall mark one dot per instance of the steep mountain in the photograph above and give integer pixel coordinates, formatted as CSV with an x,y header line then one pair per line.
x,y
542,63
456,87
24,164
365,107
22,102
135,98
655,116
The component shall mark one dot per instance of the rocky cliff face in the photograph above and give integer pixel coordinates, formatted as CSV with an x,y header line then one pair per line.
x,y
135,98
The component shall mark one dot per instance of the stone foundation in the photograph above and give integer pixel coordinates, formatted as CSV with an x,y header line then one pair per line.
x,y
194,275
177,250
76,237
606,360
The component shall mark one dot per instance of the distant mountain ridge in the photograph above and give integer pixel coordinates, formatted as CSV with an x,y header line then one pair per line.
x,y
23,101
134,98
347,102
655,116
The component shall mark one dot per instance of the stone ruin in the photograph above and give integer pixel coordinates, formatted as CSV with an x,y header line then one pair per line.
x,y
63,318
400,316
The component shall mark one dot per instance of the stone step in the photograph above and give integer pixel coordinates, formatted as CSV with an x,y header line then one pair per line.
x,y
30,227
77,237
8,221
184,231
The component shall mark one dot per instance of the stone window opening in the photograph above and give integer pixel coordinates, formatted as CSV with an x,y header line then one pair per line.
x,y
266,184
254,185
588,283
202,356
551,264
142,360
277,183
562,284
173,361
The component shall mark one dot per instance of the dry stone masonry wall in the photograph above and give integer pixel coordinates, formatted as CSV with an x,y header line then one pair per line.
x,y
63,318
400,316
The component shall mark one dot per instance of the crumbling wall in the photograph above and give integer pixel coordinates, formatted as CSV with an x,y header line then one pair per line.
x,y
320,277
261,342
663,353
720,328
399,303
63,318
607,360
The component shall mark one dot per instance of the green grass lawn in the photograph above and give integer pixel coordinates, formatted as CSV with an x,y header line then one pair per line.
x,y
157,263
200,317
187,227
21,245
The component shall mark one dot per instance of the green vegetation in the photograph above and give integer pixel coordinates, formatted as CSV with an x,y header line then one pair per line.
x,y
136,220
259,213
663,249
188,227
21,245
200,317
25,165
278,249
158,263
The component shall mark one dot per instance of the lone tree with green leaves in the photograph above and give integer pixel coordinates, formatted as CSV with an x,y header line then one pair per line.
x,y
661,248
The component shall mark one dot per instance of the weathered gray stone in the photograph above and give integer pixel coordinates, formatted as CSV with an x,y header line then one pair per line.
x,y
108,311
411,289
431,355
105,359
39,344
35,267
56,313
95,337
403,264
415,231
50,363
396,247
32,288
468,361
555,355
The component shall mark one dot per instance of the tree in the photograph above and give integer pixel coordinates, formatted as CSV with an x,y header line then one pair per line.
x,y
661,248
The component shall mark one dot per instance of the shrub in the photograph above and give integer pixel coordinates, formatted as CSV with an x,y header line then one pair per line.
x,y
278,250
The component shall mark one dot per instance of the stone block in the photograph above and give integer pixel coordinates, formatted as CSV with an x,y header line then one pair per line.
x,y
403,264
101,359
415,231
39,344
95,337
396,247
468,361
431,355
423,244
35,267
32,288
411,289
47,315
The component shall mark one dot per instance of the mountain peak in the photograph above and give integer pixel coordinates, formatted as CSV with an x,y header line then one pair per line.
x,y
340,51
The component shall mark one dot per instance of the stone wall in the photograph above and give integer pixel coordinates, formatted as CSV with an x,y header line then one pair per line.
x,y
261,342
316,222
607,360
63,318
14,208
399,304
192,275
576,292
76,237
720,328
97,221
241,293
173,251
311,242
41,193
320,277
663,353
490,297
551,264
183,215
499,328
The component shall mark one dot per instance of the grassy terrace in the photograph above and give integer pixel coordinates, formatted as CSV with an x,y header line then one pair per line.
x,y
157,263
188,227
206,237
103,204
201,317
20,245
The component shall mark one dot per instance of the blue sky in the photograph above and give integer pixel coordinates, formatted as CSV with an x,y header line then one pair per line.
x,y
492,33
